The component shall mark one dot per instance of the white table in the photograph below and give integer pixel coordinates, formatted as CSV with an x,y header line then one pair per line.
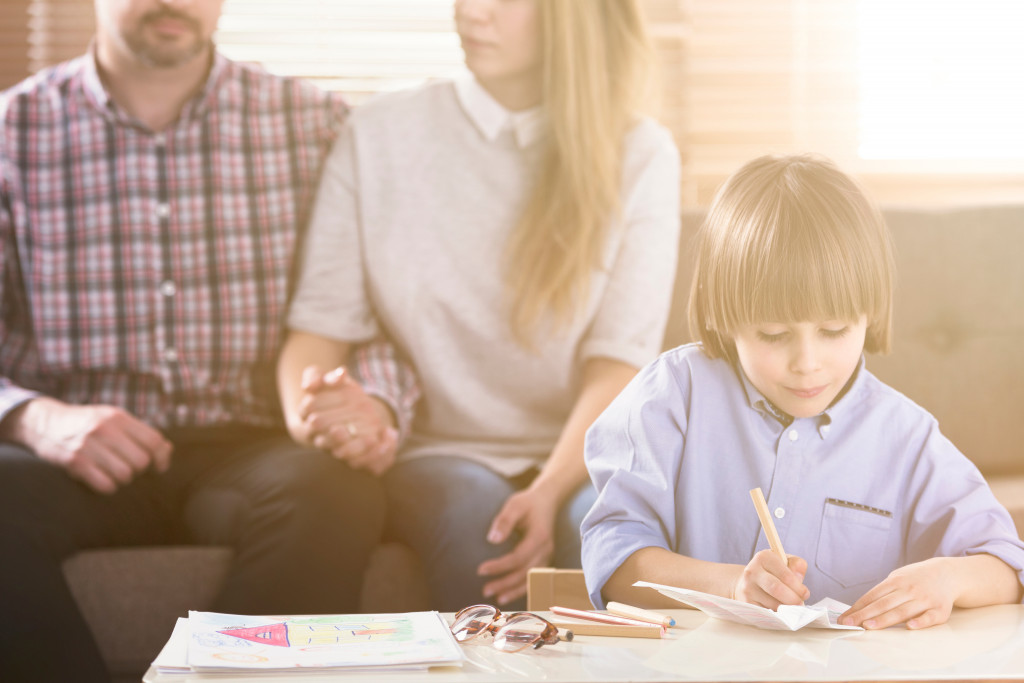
x,y
979,644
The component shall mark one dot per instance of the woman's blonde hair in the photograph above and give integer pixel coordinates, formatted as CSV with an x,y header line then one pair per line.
x,y
791,239
596,59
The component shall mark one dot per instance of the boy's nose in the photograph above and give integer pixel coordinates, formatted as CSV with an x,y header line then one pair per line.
x,y
805,358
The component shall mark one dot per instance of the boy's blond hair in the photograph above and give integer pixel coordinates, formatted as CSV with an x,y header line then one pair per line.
x,y
791,239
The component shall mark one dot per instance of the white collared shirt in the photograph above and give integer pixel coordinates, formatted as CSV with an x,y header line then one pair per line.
x,y
867,486
491,117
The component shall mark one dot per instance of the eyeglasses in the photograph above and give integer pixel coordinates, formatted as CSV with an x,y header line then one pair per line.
x,y
520,630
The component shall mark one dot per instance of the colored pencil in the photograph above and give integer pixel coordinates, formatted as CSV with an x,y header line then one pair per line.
x,y
631,612
761,505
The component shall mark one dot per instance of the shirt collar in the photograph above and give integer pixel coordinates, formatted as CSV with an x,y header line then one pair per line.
x,y
491,118
98,95
91,82
838,409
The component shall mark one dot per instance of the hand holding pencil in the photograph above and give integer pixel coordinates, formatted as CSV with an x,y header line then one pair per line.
x,y
772,577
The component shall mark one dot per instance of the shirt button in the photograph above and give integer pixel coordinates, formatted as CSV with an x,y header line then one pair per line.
x,y
168,288
170,355
160,140
825,428
793,436
163,210
780,513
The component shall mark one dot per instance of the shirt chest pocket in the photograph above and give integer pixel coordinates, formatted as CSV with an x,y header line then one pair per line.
x,y
855,544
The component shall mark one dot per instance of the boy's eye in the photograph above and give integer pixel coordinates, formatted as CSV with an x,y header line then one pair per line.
x,y
835,333
770,337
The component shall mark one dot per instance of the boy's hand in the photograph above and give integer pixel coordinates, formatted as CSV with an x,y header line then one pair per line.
x,y
921,594
769,582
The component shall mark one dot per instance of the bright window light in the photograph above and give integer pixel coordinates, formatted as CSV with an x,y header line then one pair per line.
x,y
941,79
358,47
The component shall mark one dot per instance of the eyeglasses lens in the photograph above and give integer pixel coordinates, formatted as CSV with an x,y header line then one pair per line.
x,y
520,631
472,621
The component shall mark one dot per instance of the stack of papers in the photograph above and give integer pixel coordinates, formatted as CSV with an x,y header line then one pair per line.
x,y
213,642
822,614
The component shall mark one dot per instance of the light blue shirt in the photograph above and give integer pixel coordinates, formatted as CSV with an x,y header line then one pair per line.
x,y
866,487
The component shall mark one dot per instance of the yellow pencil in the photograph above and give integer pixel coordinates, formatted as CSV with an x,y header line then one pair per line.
x,y
761,505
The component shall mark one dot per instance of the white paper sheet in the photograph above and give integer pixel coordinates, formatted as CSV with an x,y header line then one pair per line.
x,y
208,641
822,614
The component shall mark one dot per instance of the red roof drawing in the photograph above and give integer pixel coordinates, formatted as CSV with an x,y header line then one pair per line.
x,y
271,634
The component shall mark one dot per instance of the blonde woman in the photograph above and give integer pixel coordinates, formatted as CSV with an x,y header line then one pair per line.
x,y
515,233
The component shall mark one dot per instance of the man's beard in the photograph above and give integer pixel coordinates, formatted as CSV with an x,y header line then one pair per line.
x,y
155,54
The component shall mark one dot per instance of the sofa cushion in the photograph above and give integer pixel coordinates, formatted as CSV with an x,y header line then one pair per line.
x,y
959,327
130,597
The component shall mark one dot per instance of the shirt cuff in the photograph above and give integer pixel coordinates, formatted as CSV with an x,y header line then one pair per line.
x,y
12,397
605,547
330,326
385,376
1008,553
637,355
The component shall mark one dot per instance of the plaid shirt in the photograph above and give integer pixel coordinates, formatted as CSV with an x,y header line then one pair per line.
x,y
152,270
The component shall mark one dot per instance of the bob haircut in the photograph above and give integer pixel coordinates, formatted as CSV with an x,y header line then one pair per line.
x,y
790,239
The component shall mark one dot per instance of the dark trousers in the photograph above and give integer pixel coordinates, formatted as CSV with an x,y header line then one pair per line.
x,y
301,523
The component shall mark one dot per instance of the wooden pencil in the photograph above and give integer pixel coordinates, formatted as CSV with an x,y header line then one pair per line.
x,y
761,505
631,612
615,630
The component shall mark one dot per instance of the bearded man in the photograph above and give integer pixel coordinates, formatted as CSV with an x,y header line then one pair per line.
x,y
152,196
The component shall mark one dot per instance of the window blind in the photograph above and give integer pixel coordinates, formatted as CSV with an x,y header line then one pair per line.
x,y
353,46
954,92
739,78
58,30
768,77
14,63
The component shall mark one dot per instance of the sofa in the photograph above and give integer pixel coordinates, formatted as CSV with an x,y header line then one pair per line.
x,y
959,319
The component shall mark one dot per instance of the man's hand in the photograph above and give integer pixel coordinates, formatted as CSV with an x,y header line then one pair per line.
x,y
103,446
921,594
769,582
340,418
533,514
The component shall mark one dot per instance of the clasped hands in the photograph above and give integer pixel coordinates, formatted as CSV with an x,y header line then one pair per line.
x,y
337,416
918,594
